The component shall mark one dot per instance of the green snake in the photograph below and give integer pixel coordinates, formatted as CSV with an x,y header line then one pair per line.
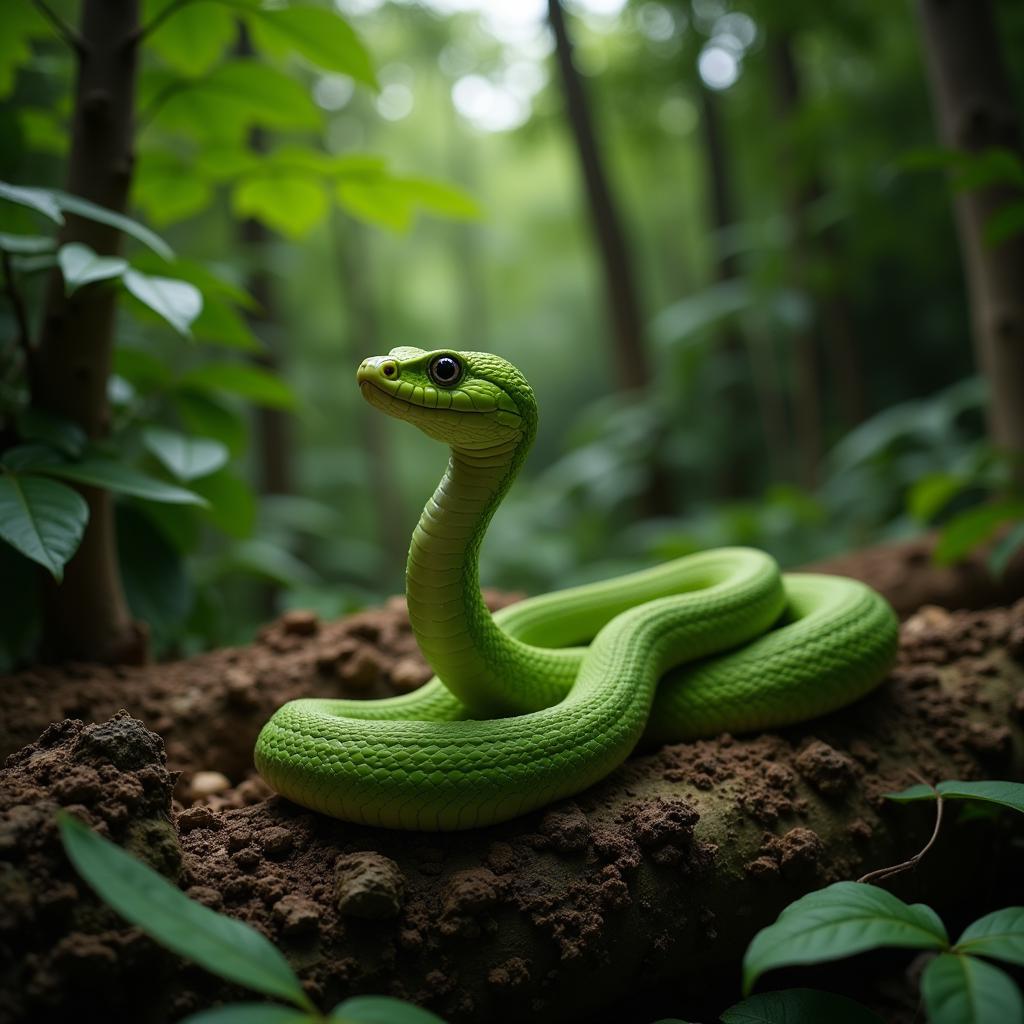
x,y
547,696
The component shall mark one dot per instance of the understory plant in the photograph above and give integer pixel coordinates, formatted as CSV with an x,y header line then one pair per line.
x,y
222,945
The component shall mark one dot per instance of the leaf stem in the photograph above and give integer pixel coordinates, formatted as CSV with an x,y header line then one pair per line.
x,y
144,30
62,28
907,865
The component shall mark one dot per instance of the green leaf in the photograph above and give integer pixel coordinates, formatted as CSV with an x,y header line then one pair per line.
x,y
250,382
64,435
996,165
19,597
1007,794
39,199
116,476
167,188
970,529
799,1006
220,324
323,37
27,245
44,131
840,920
440,198
156,584
208,416
142,369
289,203
1005,223
222,945
231,503
91,211
188,458
252,1013
261,558
22,22
193,38
999,935
391,201
962,990
1004,549
178,302
42,519
931,494
81,266
234,97
381,1010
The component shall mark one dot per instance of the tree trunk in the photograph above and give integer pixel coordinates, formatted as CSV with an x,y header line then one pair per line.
x,y
87,616
737,467
629,351
806,362
975,111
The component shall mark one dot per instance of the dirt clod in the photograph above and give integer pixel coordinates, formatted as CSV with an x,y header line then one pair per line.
x,y
368,885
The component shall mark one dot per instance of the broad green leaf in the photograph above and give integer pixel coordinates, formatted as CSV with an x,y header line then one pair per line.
x,y
931,494
64,435
167,187
252,382
970,529
375,202
91,211
252,1013
39,199
220,324
231,504
27,245
996,165
234,97
799,1006
188,458
1007,794
30,457
81,266
44,131
1004,549
194,37
209,416
158,589
19,597
838,921
209,280
381,1010
261,558
177,302
42,519
440,198
222,945
962,990
180,524
116,476
322,36
292,204
34,264
999,935
142,369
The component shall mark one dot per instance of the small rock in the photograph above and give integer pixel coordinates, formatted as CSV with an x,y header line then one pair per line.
x,y
300,622
368,885
197,817
276,842
206,784
296,916
409,674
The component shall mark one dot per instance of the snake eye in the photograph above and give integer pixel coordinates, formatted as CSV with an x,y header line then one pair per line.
x,y
445,371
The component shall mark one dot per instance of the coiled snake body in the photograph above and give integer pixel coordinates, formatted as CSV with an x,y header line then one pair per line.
x,y
520,713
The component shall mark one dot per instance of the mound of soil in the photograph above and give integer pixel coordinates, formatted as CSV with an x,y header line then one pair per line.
x,y
633,900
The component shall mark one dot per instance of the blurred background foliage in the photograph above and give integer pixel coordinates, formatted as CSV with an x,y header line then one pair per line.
x,y
811,386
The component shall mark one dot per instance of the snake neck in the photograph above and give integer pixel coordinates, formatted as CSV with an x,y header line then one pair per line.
x,y
452,625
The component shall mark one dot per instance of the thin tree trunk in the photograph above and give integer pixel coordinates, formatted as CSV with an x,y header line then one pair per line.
x,y
807,405
629,350
87,616
737,469
975,111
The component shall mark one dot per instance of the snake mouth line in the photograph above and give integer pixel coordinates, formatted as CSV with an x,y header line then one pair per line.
x,y
368,387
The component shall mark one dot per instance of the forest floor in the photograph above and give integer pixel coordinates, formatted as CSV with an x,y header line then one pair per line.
x,y
600,902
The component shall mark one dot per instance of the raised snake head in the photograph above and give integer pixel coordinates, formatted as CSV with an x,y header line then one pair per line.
x,y
468,400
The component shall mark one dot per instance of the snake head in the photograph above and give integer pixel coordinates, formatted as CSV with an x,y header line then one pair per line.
x,y
469,400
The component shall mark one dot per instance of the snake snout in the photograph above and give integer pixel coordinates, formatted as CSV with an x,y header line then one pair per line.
x,y
376,368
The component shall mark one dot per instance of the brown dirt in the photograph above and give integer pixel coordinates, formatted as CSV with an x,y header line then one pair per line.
x,y
645,888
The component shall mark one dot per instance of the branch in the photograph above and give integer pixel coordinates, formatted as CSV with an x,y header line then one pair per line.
x,y
18,305
144,30
907,865
62,28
